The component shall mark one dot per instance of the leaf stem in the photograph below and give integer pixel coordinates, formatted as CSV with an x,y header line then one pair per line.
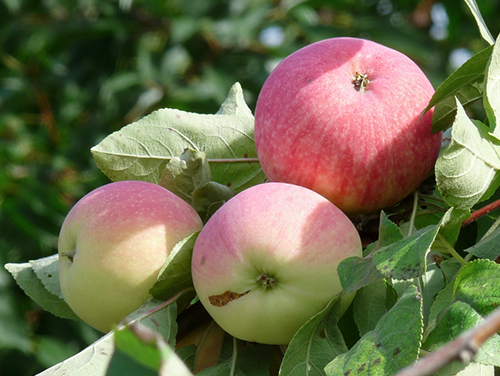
x,y
452,250
235,357
413,213
234,160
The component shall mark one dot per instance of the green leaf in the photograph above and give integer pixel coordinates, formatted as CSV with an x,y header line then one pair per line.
x,y
467,171
47,270
147,348
466,83
369,306
391,346
209,198
476,293
405,259
450,226
175,274
142,150
95,359
316,343
356,272
483,29
186,173
488,247
389,232
28,280
492,90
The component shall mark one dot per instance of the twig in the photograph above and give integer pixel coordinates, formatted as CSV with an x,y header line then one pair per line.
x,y
463,348
480,212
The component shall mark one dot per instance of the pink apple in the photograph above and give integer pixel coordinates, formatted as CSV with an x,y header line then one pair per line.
x,y
266,261
343,117
112,245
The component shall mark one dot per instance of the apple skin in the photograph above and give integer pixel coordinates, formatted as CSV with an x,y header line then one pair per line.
x,y
363,148
112,245
266,261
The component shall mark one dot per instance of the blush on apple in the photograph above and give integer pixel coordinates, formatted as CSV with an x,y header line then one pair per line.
x,y
343,117
266,261
112,245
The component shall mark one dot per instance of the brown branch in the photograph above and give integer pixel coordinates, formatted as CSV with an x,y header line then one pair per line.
x,y
463,348
480,212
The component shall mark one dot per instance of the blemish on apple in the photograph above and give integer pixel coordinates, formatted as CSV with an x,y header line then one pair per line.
x,y
223,299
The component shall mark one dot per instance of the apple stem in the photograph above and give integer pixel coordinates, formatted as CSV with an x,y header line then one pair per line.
x,y
360,81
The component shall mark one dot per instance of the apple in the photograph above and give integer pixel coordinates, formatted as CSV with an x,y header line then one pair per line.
x,y
342,117
266,261
112,245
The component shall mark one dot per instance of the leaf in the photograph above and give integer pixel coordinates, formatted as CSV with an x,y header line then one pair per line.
x,y
356,272
483,29
389,232
405,259
450,226
475,295
47,270
27,279
95,359
466,84
492,90
186,173
142,150
146,348
209,198
487,248
315,344
175,274
391,346
467,171
369,306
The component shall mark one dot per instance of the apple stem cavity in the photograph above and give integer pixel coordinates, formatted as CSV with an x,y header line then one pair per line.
x,y
69,255
360,82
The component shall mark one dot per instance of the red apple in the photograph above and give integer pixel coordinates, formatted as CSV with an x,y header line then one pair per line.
x,y
112,245
266,261
343,117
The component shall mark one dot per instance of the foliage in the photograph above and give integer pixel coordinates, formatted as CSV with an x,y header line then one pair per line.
x,y
73,76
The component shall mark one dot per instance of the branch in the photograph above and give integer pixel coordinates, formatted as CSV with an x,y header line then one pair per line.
x,y
480,212
463,348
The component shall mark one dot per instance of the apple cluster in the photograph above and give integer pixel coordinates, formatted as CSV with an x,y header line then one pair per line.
x,y
339,131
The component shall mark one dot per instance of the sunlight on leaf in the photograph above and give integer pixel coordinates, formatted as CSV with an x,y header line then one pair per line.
x,y
467,171
141,150
466,83
483,28
492,90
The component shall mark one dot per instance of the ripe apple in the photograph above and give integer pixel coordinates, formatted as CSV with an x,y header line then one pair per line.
x,y
266,261
112,245
343,117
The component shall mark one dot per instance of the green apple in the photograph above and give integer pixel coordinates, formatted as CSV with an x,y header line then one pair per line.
x,y
112,245
266,261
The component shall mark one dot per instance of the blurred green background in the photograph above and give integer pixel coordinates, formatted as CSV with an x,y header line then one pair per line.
x,y
71,72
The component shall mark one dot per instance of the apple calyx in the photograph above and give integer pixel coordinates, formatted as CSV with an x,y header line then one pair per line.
x,y
266,282
360,81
